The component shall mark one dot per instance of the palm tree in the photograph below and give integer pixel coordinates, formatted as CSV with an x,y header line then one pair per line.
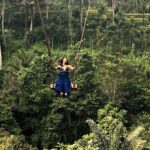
x,y
3,33
81,14
14,68
0,57
113,7
143,6
110,133
69,20
134,141
3,17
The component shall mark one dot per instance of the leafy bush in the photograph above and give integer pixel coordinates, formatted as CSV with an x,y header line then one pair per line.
x,y
109,134
63,119
8,121
13,142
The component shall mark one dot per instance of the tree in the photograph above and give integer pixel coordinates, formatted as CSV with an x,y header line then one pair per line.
x,y
12,142
2,35
3,18
109,134
44,29
70,20
113,7
0,57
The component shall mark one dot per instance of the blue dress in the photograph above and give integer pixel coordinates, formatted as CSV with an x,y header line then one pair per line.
x,y
63,83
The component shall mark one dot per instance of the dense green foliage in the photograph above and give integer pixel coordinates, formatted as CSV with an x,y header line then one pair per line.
x,y
110,110
10,141
110,133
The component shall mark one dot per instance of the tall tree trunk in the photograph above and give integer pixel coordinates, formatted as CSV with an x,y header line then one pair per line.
x,y
0,57
26,18
32,16
81,14
3,32
44,29
3,17
143,20
31,24
69,20
136,6
113,7
47,9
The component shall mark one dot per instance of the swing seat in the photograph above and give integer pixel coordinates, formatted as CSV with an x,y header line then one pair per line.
x,y
52,85
74,86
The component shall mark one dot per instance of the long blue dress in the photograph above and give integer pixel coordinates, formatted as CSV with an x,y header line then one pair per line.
x,y
63,83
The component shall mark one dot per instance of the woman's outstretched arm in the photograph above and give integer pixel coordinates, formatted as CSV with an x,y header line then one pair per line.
x,y
71,67
58,67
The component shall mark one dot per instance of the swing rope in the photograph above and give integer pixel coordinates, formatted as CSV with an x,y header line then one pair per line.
x,y
44,29
76,58
46,36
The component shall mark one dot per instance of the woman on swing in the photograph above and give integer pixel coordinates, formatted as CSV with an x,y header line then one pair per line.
x,y
63,84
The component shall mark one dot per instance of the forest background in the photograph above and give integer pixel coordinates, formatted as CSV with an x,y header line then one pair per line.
x,y
110,110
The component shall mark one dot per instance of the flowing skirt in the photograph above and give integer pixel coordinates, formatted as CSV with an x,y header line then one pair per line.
x,y
63,84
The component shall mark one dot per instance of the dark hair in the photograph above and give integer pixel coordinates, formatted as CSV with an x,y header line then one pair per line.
x,y
61,61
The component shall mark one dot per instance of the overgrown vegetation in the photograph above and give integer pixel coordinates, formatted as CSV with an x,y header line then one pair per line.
x,y
110,108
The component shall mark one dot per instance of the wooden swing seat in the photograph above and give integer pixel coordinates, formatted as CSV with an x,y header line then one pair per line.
x,y
74,86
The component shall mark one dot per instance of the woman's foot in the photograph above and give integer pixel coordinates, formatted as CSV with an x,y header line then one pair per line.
x,y
61,94
66,94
